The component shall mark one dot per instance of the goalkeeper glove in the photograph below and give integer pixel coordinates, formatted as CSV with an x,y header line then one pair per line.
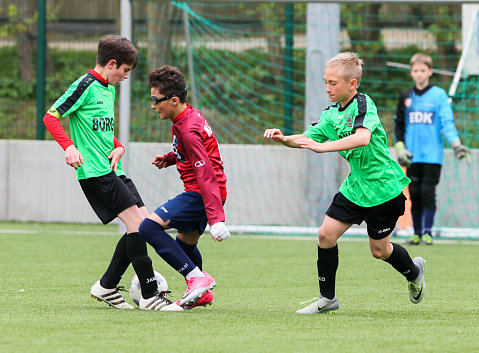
x,y
219,230
403,154
461,151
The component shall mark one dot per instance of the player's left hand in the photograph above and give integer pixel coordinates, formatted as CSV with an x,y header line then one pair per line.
x,y
461,151
309,143
275,134
159,161
219,232
115,157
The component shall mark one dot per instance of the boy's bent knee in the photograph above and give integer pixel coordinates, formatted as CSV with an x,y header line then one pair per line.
x,y
380,254
148,228
325,240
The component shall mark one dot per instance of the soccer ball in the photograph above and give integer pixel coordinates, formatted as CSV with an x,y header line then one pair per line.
x,y
135,288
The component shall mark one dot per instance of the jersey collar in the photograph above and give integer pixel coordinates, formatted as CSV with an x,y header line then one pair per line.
x,y
98,77
179,116
420,92
341,109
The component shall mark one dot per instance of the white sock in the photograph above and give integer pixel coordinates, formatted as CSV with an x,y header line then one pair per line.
x,y
196,272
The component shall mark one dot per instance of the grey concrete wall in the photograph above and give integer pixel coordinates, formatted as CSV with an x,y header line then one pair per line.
x,y
4,180
267,185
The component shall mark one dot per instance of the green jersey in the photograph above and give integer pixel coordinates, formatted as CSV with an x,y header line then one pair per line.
x,y
90,103
375,177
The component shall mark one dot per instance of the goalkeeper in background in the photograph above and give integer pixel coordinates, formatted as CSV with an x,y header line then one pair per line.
x,y
423,114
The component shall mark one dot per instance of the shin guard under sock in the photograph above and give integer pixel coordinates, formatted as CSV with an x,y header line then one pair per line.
x,y
417,222
192,252
138,255
327,264
428,220
169,250
118,265
402,262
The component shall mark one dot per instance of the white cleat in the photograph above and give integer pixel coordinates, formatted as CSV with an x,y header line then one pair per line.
x,y
159,302
322,305
418,286
110,296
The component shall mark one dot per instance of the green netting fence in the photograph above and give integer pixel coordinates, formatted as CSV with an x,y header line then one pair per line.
x,y
245,64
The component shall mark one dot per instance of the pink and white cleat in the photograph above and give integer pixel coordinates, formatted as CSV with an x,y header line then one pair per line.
x,y
206,299
196,287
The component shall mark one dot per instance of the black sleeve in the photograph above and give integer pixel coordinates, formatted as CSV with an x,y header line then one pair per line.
x,y
400,118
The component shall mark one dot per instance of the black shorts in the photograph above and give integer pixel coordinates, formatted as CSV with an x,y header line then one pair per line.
x,y
380,219
110,194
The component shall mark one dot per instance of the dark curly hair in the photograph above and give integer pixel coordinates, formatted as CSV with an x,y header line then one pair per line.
x,y
169,81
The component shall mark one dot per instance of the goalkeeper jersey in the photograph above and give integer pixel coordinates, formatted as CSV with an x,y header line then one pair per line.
x,y
375,177
421,117
89,103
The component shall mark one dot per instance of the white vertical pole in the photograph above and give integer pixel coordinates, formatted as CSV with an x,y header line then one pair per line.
x,y
125,86
191,68
125,93
323,171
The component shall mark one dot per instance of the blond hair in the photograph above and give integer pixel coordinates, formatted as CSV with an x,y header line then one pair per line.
x,y
348,64
421,58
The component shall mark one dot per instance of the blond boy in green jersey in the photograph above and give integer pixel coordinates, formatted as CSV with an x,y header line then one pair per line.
x,y
372,192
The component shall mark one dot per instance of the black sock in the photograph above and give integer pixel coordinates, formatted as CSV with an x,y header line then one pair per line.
x,y
118,265
138,255
192,251
327,264
402,262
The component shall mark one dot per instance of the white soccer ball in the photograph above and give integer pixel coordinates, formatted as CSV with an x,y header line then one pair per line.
x,y
135,288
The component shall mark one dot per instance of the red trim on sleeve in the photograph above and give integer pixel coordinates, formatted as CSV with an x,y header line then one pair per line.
x,y
55,127
117,143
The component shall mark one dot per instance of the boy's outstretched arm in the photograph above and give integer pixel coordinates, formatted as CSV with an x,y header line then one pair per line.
x,y
277,136
360,138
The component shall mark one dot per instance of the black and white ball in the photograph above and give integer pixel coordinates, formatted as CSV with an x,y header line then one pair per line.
x,y
135,288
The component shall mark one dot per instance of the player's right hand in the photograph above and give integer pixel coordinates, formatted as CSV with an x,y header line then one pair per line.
x,y
73,157
274,134
461,151
219,232
403,154
159,161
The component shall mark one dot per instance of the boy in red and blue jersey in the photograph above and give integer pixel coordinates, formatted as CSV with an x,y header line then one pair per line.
x,y
198,160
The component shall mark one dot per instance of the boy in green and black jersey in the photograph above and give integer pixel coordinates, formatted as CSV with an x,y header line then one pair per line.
x,y
95,153
372,192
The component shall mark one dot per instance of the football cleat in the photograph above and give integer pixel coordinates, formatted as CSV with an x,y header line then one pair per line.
x,y
322,305
418,286
196,286
206,299
159,302
110,296
414,240
427,239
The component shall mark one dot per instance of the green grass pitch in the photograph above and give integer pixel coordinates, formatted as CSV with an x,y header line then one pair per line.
x,y
46,271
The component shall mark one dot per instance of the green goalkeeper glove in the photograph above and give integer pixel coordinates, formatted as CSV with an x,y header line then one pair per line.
x,y
461,151
403,154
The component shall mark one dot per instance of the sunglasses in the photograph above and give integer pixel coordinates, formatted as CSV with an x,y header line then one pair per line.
x,y
156,100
